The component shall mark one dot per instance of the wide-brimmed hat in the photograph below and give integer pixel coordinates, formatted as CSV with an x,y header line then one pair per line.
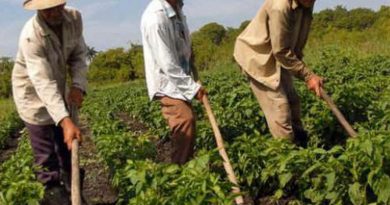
x,y
42,4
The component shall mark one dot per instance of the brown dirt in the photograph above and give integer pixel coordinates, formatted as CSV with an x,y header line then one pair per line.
x,y
248,200
163,146
10,146
133,124
97,186
164,151
270,201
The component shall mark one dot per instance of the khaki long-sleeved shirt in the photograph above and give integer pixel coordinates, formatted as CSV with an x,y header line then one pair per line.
x,y
274,40
39,77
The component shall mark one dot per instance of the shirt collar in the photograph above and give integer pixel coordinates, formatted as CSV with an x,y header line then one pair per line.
x,y
295,4
169,11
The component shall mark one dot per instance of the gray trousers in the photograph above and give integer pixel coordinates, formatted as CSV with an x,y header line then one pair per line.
x,y
50,152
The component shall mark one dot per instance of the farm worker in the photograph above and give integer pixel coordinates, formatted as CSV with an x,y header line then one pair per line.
x,y
170,75
51,45
269,51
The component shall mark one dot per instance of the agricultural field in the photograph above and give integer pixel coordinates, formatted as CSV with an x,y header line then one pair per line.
x,y
332,170
131,138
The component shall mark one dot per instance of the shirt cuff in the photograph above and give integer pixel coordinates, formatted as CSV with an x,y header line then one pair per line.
x,y
191,93
59,117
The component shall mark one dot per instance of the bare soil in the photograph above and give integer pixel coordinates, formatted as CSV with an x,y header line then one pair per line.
x,y
10,146
163,146
97,188
271,201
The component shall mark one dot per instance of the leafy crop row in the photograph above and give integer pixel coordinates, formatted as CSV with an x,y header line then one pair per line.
x,y
18,184
332,170
8,126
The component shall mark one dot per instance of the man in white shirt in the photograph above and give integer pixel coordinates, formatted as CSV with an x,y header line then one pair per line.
x,y
168,69
51,46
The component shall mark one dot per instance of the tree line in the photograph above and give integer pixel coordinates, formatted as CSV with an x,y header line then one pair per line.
x,y
213,45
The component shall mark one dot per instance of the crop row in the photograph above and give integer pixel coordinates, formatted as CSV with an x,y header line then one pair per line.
x,y
332,170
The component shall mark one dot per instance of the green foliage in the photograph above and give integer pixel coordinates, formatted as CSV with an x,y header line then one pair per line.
x,y
363,30
341,18
9,125
146,182
18,184
6,65
212,33
117,65
332,170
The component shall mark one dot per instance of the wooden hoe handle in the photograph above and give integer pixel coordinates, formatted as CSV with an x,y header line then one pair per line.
x,y
75,183
340,117
226,162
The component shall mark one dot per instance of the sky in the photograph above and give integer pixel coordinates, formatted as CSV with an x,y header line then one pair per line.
x,y
115,23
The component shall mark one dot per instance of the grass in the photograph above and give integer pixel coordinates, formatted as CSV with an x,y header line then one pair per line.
x,y
7,107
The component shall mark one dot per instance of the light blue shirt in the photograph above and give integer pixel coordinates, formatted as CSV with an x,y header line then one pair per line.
x,y
167,52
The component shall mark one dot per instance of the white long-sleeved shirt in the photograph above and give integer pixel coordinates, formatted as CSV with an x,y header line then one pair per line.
x,y
39,76
167,52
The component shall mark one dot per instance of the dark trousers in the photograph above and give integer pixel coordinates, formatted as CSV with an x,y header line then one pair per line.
x,y
50,152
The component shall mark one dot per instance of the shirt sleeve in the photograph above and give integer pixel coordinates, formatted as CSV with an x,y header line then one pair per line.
x,y
281,30
78,64
165,54
194,69
41,76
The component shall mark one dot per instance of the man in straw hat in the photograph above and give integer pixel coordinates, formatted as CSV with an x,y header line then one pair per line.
x,y
269,51
51,46
170,75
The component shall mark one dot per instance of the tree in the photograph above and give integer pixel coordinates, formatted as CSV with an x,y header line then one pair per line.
x,y
213,32
118,65
91,53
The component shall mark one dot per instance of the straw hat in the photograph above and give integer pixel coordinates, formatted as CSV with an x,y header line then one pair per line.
x,y
42,4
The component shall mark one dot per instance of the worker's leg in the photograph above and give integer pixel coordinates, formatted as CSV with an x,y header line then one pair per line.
x,y
275,106
300,134
45,150
181,120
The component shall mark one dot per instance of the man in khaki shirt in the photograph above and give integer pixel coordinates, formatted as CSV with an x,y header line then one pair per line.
x,y
269,50
51,45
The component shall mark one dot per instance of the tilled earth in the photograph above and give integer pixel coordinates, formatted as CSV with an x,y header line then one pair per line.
x,y
97,186
10,146
163,146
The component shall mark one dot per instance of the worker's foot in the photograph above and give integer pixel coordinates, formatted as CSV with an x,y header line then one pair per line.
x,y
55,195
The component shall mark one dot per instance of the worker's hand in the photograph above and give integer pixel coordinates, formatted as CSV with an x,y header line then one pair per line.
x,y
71,132
315,84
201,93
76,97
